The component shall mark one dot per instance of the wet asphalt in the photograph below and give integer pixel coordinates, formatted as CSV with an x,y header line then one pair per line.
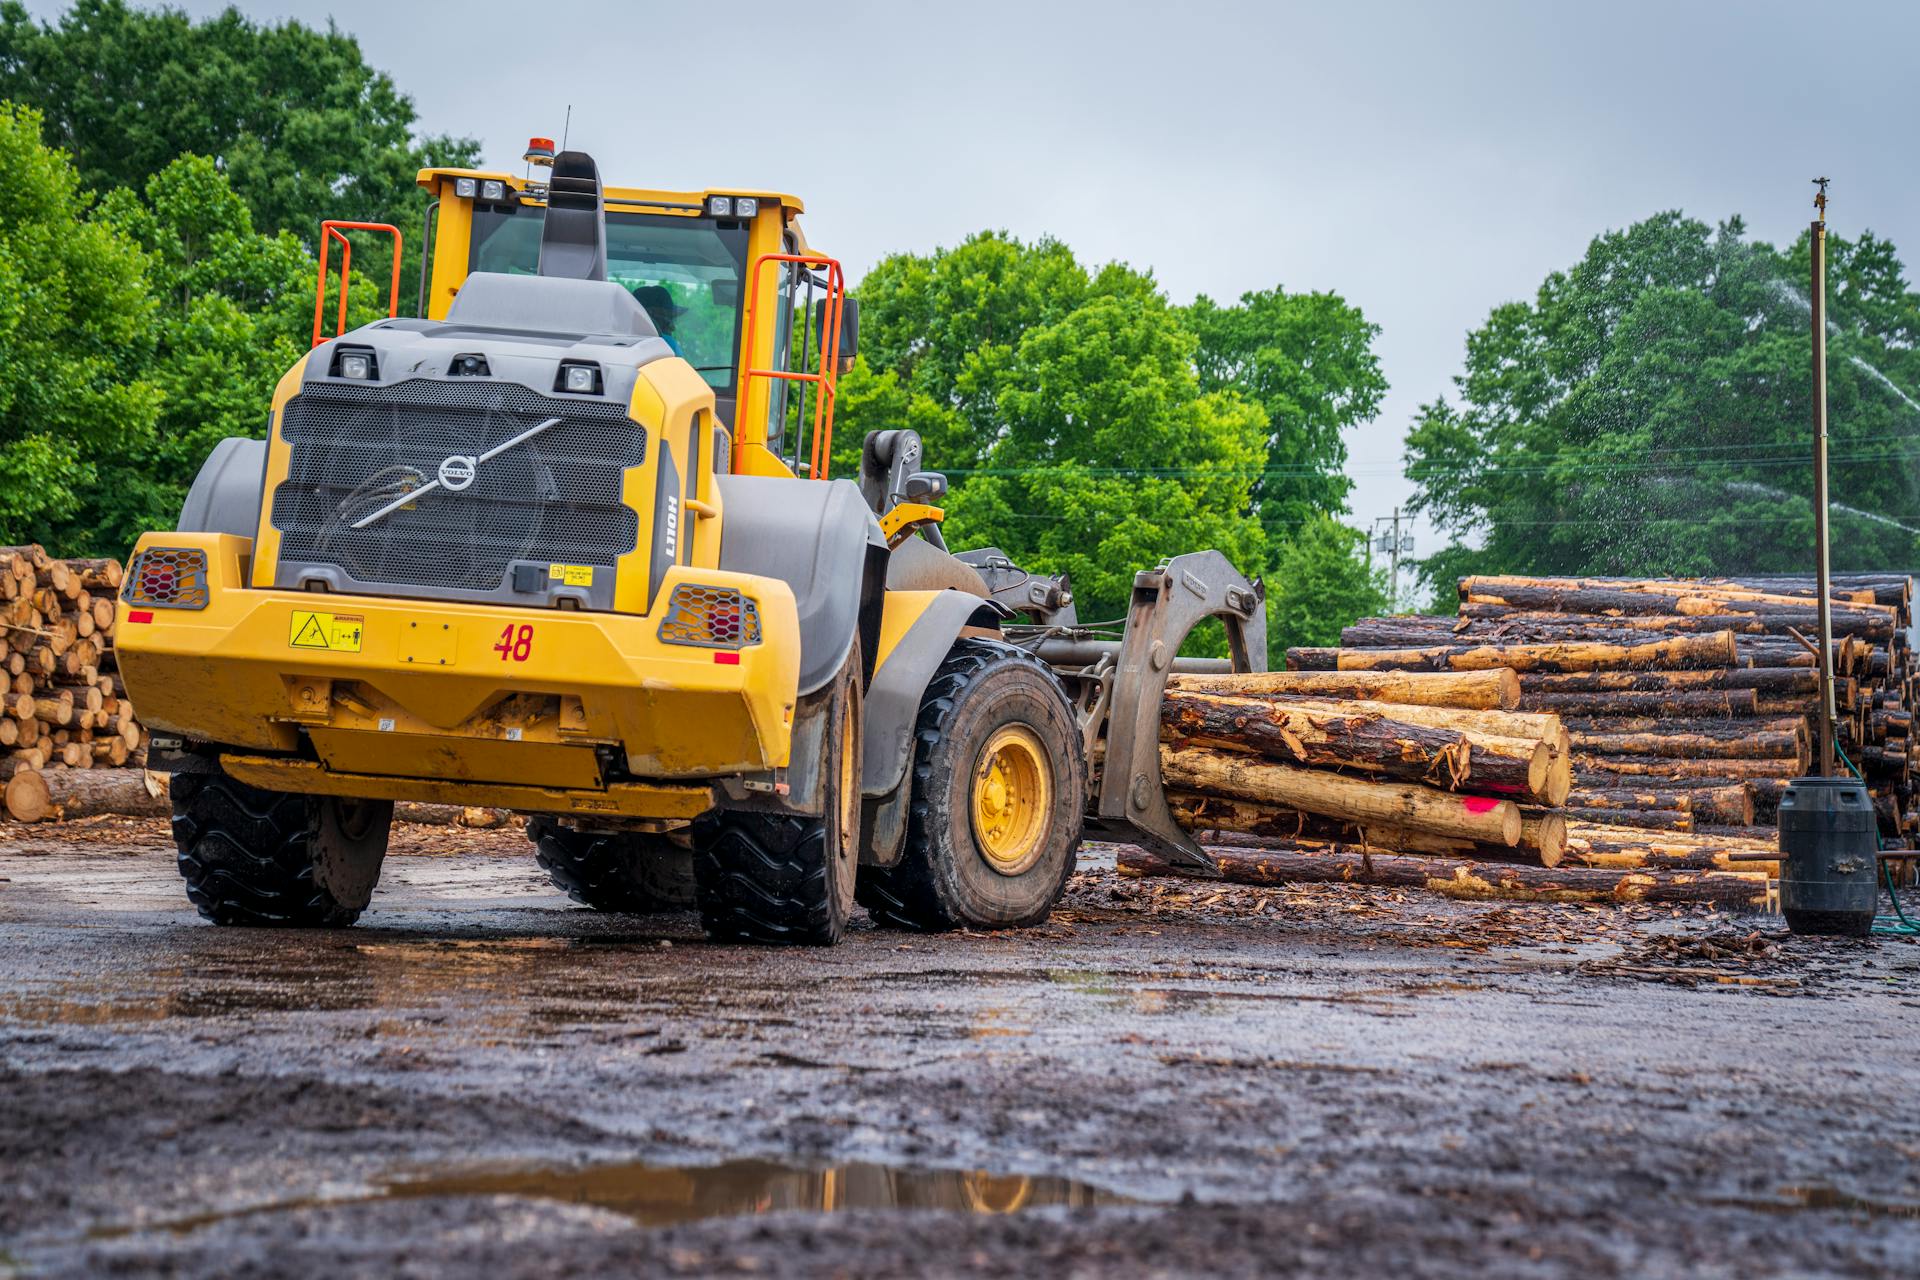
x,y
1170,1078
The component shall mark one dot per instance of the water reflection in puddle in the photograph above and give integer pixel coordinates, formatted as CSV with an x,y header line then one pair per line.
x,y
654,1195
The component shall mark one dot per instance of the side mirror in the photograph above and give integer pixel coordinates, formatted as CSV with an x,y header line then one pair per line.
x,y
849,328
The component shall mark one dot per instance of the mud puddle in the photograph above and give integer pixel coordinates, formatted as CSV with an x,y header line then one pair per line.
x,y
665,1195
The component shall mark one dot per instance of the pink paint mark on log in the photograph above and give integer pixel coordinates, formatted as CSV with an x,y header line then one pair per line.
x,y
1479,804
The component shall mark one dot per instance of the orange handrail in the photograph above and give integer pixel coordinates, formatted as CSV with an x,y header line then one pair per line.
x,y
827,379
330,231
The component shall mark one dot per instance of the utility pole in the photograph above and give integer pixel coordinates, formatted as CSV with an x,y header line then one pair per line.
x,y
1818,297
1395,544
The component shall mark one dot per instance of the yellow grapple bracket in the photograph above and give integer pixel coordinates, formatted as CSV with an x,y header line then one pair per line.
x,y
904,517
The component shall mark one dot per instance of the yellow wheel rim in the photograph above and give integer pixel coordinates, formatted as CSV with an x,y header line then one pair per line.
x,y
1012,796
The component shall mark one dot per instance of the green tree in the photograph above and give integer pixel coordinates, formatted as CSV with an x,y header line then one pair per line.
x,y
75,337
234,312
1648,413
1088,426
303,128
1307,359
1319,581
1063,404
1110,458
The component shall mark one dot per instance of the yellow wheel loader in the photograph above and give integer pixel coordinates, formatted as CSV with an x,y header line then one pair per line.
x,y
566,544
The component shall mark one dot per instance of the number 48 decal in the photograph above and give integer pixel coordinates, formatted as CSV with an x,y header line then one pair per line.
x,y
516,643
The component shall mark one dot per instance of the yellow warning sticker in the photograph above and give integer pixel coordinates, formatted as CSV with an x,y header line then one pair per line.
x,y
335,632
571,575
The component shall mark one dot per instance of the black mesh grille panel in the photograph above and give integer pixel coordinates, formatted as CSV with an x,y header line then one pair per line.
x,y
554,498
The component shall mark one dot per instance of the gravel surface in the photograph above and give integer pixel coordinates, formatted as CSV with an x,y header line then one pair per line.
x,y
1169,1078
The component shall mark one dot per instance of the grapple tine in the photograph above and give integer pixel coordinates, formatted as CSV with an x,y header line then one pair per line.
x,y
1168,602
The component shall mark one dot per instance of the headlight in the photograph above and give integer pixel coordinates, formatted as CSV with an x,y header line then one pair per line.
x,y
465,188
745,206
580,379
493,189
720,206
355,366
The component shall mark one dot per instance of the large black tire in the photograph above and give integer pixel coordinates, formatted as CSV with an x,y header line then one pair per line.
x,y
627,873
768,877
986,695
254,857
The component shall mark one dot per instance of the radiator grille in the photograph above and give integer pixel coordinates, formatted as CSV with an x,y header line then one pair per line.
x,y
554,498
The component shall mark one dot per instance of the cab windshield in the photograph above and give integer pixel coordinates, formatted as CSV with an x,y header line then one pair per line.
x,y
685,271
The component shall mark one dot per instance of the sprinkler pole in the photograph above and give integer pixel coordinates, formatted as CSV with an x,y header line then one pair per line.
x,y
1818,297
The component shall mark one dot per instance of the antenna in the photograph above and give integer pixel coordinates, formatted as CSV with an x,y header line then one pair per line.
x,y
567,128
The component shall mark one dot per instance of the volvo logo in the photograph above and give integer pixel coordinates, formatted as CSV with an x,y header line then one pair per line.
x,y
457,472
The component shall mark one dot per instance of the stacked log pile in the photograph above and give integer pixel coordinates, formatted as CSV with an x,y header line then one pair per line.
x,y
1315,775
64,710
1702,689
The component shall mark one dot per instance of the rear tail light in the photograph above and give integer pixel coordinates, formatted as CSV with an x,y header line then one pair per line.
x,y
167,578
710,618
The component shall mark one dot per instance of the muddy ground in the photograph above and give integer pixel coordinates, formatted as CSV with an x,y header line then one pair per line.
x,y
1171,1078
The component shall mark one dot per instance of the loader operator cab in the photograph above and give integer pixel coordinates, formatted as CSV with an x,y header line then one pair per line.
x,y
715,270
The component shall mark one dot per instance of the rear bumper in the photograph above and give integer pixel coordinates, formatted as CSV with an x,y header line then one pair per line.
x,y
470,696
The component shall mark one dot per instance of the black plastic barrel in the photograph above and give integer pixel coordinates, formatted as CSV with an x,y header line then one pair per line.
x,y
1829,860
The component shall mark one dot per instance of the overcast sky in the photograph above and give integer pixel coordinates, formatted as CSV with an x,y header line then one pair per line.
x,y
1428,161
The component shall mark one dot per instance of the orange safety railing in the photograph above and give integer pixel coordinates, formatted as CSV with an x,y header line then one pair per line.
x,y
329,232
827,376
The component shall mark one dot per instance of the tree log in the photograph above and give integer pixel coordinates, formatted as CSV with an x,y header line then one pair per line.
x,y
1709,650
1650,819
1225,773
104,575
1630,798
35,796
1699,741
1437,745
1669,770
1713,799
1777,680
450,815
1333,735
1688,704
1307,863
1487,619
1855,588
1495,689
1646,595
1613,847
1543,832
